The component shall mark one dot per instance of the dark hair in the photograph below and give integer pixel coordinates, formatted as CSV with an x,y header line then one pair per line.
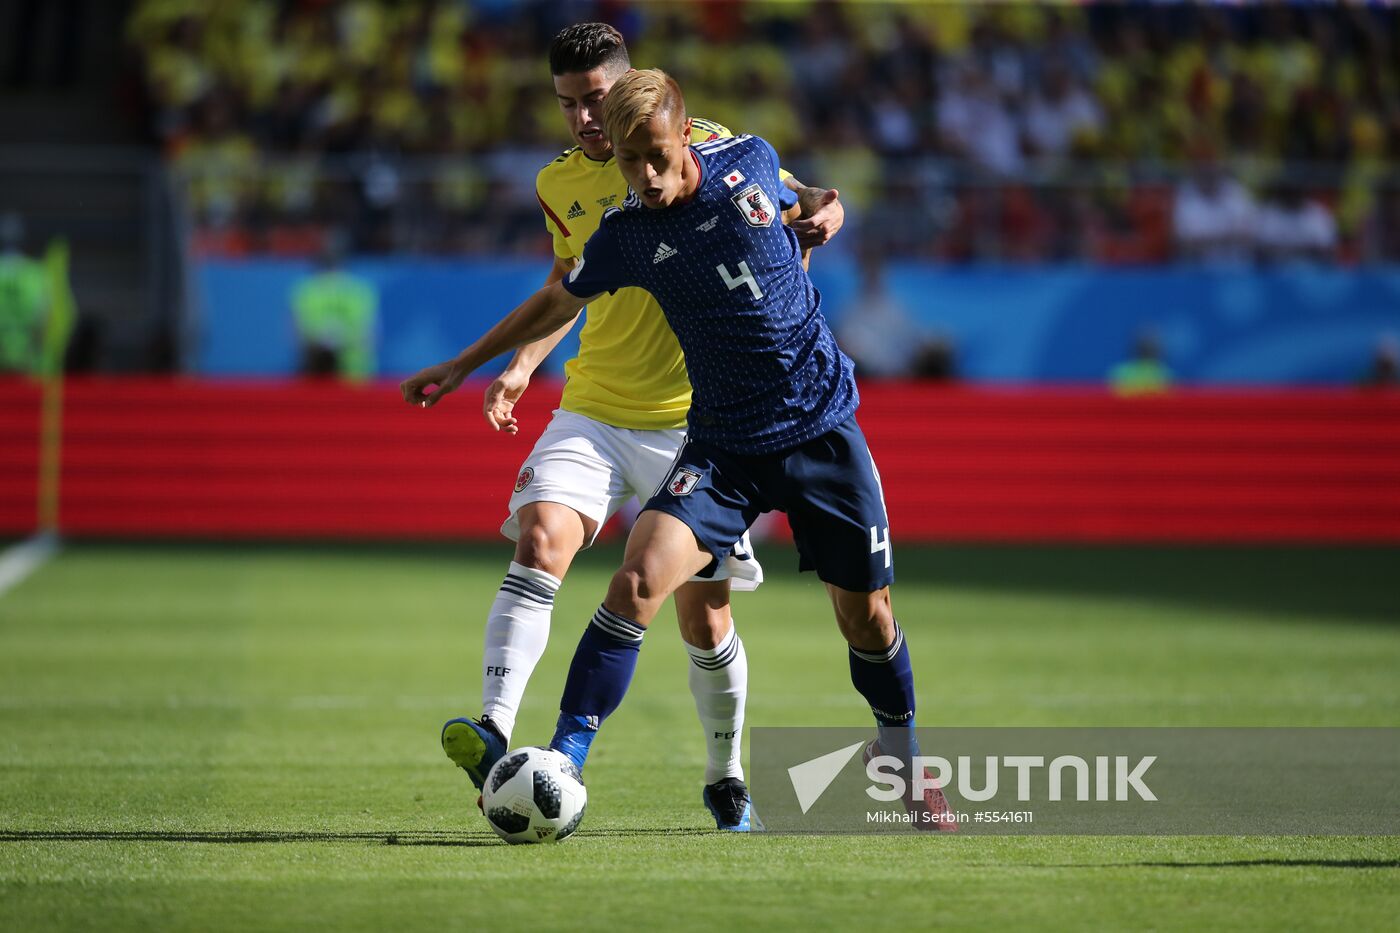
x,y
585,46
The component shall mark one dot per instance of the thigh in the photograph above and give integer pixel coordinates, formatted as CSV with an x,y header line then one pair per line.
x,y
572,464
661,553
713,494
652,461
664,550
551,535
837,511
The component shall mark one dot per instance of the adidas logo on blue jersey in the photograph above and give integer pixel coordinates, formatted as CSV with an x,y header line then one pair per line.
x,y
575,211
663,252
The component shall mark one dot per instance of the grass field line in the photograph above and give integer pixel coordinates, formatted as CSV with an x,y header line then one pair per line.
x,y
21,560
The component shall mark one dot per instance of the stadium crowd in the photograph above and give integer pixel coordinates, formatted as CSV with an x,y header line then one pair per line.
x,y
1113,133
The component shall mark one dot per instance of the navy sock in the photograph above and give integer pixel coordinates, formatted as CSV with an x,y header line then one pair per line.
x,y
886,680
598,679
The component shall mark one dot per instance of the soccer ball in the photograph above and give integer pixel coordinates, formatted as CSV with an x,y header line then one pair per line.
x,y
534,795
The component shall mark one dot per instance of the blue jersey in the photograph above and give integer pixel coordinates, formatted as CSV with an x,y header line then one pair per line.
x,y
728,275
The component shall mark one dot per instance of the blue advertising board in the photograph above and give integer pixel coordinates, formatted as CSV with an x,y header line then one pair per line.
x,y
1289,325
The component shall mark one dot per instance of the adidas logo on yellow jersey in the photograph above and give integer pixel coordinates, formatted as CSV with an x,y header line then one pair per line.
x,y
575,211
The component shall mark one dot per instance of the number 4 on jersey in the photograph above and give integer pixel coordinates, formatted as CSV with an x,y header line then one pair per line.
x,y
745,277
878,544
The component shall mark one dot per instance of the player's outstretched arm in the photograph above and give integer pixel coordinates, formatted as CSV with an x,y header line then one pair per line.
x,y
498,404
820,217
538,316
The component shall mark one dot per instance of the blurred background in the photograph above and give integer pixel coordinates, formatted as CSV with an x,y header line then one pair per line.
x,y
1109,271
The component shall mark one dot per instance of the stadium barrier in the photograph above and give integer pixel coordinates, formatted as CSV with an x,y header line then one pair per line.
x,y
1063,324
175,458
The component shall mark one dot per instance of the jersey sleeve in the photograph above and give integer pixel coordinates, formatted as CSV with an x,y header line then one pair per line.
x,y
601,269
557,231
702,130
786,196
556,228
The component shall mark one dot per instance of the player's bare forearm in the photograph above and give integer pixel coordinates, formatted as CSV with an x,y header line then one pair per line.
x,y
528,358
499,400
538,316
790,216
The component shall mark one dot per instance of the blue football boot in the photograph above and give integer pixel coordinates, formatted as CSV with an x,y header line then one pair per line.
x,y
474,746
729,803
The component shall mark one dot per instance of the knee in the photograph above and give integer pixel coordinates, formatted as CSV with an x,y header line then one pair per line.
x,y
540,548
633,592
702,609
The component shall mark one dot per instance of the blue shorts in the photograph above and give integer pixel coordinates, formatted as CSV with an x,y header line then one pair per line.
x,y
828,487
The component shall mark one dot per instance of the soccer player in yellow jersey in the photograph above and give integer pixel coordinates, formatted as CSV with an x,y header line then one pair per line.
x,y
620,423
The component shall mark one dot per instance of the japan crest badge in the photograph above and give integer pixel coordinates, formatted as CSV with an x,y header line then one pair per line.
x,y
683,483
753,203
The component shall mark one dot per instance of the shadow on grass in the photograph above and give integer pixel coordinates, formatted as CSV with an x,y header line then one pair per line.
x,y
1251,863
1346,582
1284,862
243,837
1351,583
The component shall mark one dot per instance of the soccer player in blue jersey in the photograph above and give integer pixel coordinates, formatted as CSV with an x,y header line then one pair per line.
x,y
620,422
771,423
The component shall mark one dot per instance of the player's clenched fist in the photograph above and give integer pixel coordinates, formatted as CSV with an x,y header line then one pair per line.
x,y
444,376
822,216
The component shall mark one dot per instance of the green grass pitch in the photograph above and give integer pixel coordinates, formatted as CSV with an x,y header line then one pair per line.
x,y
228,738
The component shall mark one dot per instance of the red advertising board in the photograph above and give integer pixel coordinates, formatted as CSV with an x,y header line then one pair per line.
x,y
153,457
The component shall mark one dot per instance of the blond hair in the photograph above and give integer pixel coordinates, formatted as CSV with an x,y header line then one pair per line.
x,y
637,97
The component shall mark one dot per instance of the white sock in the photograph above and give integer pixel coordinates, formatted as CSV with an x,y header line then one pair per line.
x,y
719,681
517,630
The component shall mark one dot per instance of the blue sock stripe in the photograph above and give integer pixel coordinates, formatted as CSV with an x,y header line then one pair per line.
x,y
509,585
543,592
545,589
714,664
723,659
618,627
881,657
886,681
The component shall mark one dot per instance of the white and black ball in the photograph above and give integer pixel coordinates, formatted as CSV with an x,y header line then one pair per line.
x,y
534,795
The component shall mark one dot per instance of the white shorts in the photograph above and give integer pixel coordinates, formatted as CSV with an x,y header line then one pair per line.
x,y
595,468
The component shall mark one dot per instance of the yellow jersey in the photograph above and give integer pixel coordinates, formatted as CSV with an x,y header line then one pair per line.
x,y
629,371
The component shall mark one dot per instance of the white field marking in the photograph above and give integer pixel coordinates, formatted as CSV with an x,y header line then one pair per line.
x,y
19,561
